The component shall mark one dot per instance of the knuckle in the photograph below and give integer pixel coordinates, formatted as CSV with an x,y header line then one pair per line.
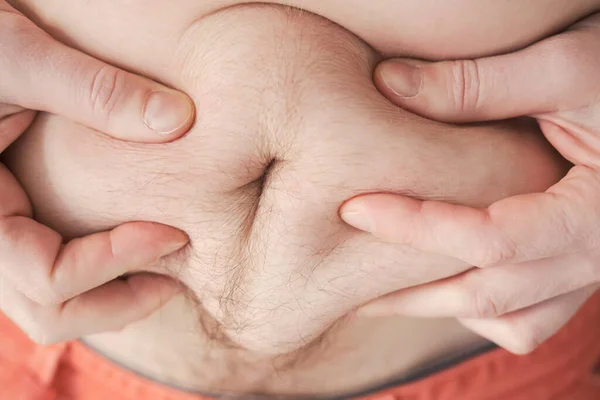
x,y
495,250
495,254
464,85
107,88
486,304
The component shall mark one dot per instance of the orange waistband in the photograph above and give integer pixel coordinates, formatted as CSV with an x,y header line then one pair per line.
x,y
566,367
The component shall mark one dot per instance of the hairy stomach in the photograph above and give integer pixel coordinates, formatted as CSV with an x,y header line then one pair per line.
x,y
289,125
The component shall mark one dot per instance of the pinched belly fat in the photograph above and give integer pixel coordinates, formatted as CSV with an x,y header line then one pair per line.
x,y
289,126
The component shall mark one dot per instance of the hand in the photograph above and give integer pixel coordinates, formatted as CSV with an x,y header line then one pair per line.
x,y
258,182
55,291
538,254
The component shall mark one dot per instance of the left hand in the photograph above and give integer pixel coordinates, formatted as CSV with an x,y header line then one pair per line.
x,y
54,290
538,254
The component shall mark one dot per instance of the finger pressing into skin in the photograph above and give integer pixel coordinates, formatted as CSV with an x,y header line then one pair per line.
x,y
523,331
516,229
502,86
107,308
489,293
40,73
55,273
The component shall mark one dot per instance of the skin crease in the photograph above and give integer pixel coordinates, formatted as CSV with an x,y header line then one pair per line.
x,y
463,28
209,183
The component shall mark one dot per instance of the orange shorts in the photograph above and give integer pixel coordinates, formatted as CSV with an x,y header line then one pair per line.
x,y
566,367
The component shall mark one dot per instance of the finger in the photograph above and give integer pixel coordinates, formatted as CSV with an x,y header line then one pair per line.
x,y
13,124
489,293
13,200
37,72
106,308
523,331
535,80
513,230
54,273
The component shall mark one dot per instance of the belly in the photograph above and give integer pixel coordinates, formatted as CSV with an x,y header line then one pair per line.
x,y
84,182
435,30
427,29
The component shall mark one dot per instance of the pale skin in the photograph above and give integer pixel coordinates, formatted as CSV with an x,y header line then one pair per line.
x,y
537,253
43,297
244,162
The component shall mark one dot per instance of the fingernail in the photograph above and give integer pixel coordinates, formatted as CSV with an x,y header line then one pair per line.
x,y
359,220
403,79
166,112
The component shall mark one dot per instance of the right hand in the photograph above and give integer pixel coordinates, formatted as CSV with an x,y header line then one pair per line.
x,y
537,253
258,182
55,291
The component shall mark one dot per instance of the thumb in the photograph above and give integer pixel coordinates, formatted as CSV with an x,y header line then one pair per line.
x,y
559,73
39,73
